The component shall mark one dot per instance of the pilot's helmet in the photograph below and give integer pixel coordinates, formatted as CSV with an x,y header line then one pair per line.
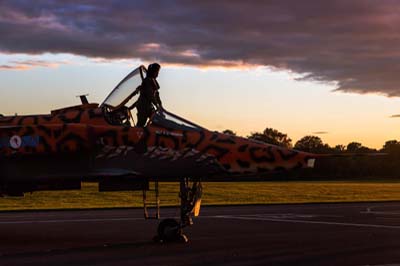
x,y
153,68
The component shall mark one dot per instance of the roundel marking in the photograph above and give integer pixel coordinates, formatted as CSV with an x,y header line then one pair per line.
x,y
15,142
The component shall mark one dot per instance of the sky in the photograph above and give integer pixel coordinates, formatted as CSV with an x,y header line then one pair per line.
x,y
326,68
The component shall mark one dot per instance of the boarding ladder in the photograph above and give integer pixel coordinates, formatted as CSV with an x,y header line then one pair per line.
x,y
151,204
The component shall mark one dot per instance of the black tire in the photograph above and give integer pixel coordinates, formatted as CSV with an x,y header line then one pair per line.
x,y
169,230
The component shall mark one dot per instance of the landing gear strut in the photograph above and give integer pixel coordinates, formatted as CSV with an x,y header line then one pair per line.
x,y
190,195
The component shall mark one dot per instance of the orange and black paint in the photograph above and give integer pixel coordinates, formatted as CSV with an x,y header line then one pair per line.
x,y
81,141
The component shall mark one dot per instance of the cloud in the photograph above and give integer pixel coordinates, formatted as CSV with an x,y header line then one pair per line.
x,y
29,64
12,67
355,44
320,132
395,116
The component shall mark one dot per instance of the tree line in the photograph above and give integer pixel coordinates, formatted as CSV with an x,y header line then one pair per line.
x,y
353,160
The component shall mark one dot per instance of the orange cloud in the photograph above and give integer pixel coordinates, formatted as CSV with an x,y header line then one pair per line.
x,y
29,64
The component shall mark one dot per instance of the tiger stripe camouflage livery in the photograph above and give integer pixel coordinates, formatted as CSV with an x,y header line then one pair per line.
x,y
84,128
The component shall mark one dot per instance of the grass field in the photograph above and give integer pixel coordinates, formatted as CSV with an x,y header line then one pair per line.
x,y
215,194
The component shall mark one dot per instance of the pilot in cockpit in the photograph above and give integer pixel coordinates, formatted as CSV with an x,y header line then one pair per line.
x,y
149,95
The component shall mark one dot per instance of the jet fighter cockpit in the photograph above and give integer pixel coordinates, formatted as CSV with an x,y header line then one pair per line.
x,y
121,101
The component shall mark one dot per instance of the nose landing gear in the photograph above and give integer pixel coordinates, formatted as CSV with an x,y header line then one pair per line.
x,y
170,230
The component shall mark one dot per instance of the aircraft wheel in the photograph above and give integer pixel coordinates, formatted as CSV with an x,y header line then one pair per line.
x,y
169,230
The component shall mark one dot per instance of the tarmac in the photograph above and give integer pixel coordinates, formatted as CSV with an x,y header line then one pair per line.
x,y
297,234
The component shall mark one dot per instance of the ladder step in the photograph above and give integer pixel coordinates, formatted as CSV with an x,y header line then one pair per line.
x,y
153,206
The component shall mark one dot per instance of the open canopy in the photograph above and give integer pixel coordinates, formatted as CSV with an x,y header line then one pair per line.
x,y
122,93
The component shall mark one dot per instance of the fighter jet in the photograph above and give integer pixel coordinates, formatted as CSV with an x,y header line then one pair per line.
x,y
100,142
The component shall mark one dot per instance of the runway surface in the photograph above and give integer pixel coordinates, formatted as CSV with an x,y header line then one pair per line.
x,y
309,234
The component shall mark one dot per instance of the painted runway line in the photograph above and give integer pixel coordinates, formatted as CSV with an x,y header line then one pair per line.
x,y
380,212
284,217
72,220
307,221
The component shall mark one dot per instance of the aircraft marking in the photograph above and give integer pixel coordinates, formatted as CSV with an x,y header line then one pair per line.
x,y
167,133
15,142
114,151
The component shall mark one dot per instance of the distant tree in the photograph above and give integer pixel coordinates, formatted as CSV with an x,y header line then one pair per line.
x,y
392,147
327,148
311,144
339,148
229,132
354,146
358,147
272,136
